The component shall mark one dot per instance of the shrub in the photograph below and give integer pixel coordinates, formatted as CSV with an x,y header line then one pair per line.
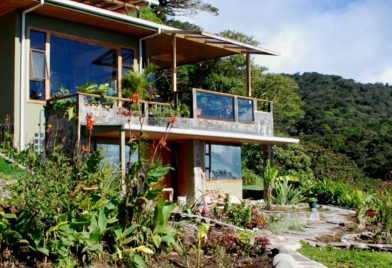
x,y
285,193
249,177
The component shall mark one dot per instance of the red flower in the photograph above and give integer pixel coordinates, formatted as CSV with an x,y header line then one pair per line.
x,y
162,142
135,97
371,213
172,120
90,122
84,149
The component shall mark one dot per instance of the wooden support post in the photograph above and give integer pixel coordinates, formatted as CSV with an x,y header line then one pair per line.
x,y
248,76
174,71
268,154
123,165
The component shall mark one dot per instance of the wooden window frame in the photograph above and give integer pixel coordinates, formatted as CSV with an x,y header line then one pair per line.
x,y
71,37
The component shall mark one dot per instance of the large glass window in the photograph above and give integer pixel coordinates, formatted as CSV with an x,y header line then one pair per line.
x,y
38,66
111,152
127,60
215,106
73,63
222,162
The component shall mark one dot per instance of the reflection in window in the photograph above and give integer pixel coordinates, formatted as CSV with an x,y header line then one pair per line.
x,y
222,162
215,106
74,63
111,152
38,68
245,109
127,60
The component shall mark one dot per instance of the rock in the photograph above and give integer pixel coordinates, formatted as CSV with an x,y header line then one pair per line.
x,y
339,244
283,260
283,249
367,235
358,245
262,232
375,246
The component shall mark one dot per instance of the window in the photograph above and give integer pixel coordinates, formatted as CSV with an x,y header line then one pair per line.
x,y
222,162
111,152
210,105
73,63
58,62
127,60
38,66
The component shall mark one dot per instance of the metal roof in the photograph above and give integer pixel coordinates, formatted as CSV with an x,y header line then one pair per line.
x,y
221,42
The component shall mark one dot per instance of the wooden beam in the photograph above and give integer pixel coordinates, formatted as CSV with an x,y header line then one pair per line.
x,y
174,72
123,164
248,76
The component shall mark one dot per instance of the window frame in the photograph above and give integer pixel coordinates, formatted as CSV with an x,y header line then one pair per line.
x,y
208,177
49,33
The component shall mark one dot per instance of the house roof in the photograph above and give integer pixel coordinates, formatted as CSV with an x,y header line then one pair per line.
x,y
191,46
195,46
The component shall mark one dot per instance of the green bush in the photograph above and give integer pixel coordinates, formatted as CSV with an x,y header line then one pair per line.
x,y
285,193
249,177
336,193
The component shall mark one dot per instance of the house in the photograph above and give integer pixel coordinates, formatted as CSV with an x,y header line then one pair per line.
x,y
50,44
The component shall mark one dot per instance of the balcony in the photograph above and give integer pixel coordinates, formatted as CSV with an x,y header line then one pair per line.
x,y
194,110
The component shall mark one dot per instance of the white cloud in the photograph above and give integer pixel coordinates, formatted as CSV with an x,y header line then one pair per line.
x,y
351,38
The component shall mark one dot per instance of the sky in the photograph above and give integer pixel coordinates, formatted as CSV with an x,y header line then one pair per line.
x,y
351,38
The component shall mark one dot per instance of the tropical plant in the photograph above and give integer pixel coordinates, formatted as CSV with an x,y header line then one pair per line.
x,y
285,193
139,83
270,177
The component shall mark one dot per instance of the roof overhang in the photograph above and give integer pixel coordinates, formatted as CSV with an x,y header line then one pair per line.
x,y
155,132
196,46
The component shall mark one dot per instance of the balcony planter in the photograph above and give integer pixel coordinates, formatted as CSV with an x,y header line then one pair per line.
x,y
313,202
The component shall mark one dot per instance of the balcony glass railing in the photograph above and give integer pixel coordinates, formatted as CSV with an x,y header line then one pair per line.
x,y
214,106
245,109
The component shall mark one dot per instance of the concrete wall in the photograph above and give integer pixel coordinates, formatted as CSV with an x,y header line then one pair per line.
x,y
32,110
7,48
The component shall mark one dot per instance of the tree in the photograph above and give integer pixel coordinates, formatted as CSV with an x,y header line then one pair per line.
x,y
167,9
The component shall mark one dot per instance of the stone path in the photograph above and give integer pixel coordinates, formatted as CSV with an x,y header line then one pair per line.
x,y
326,224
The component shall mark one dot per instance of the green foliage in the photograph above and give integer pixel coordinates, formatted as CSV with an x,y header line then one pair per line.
x,y
283,92
70,211
336,192
138,82
285,193
168,9
349,118
249,177
347,258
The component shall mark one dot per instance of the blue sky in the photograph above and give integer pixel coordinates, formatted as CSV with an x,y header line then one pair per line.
x,y
351,38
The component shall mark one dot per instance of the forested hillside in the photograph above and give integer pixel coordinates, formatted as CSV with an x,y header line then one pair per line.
x,y
348,117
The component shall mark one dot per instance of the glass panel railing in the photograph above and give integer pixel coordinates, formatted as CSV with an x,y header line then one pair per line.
x,y
245,109
214,106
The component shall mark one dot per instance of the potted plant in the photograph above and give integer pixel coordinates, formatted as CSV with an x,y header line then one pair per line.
x,y
312,202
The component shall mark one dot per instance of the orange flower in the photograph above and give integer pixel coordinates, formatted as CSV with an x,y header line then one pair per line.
x,y
84,149
162,142
90,122
135,97
7,119
48,127
172,120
